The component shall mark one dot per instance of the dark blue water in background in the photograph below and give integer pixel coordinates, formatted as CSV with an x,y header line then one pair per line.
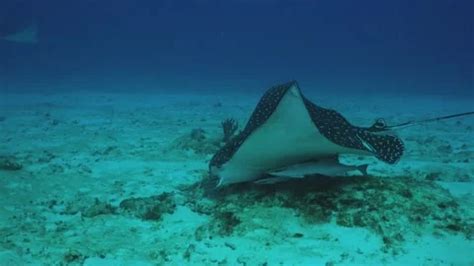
x,y
424,46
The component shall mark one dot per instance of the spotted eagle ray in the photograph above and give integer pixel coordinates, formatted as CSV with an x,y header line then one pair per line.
x,y
287,130
288,136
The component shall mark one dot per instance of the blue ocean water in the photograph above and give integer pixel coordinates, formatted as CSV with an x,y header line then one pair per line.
x,y
423,46
118,120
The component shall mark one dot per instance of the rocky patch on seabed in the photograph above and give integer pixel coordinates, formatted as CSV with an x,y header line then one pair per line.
x,y
393,208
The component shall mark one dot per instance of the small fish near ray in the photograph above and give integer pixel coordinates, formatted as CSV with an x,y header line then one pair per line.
x,y
325,166
286,129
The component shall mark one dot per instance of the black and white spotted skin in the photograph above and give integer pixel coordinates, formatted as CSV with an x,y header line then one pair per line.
x,y
329,123
262,112
336,128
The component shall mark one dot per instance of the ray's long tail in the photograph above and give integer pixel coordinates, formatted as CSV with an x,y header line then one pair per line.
x,y
381,126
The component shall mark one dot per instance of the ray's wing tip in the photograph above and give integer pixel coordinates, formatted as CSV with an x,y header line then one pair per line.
x,y
392,151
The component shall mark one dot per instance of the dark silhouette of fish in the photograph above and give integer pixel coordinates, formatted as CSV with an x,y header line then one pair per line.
x,y
17,22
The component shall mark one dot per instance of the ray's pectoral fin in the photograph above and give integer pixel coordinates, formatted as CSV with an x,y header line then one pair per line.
x,y
377,139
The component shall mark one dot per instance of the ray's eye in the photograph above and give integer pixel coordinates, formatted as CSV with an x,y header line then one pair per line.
x,y
380,123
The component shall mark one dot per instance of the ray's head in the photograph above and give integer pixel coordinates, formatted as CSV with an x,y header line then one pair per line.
x,y
223,173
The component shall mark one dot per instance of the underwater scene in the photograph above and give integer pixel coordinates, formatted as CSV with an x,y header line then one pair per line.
x,y
237,132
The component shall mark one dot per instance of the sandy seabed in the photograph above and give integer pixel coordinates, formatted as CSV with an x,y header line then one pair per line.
x,y
116,179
